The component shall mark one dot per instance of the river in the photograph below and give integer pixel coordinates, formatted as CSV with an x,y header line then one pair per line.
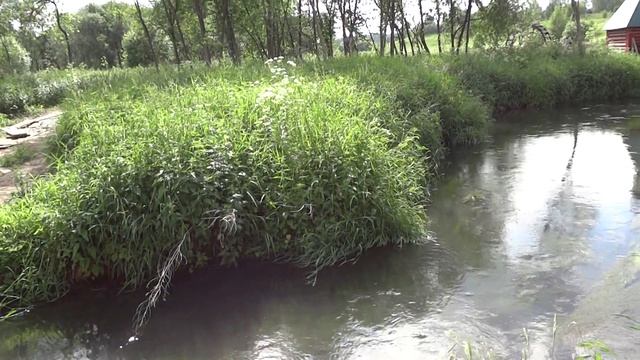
x,y
534,250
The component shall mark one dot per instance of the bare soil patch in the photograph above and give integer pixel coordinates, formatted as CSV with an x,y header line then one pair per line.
x,y
31,134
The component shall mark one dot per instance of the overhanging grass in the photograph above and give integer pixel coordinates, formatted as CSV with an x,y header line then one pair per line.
x,y
301,172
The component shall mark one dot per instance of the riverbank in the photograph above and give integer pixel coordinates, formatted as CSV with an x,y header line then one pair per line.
x,y
310,164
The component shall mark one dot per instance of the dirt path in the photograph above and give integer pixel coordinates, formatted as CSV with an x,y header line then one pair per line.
x,y
29,135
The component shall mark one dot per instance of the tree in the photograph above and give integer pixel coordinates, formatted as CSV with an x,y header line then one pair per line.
x,y
575,6
421,34
199,6
499,23
146,33
439,16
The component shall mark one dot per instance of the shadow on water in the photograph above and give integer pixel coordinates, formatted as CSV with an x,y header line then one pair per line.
x,y
540,221
245,312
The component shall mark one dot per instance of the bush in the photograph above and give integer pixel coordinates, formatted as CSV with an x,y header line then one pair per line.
x,y
538,79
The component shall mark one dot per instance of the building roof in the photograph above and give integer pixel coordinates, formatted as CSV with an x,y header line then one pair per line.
x,y
627,15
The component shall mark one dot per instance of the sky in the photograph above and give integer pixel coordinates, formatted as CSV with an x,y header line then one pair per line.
x,y
75,5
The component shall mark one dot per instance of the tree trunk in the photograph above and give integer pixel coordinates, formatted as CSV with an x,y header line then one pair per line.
x,y
467,26
422,39
353,24
452,13
406,29
63,31
382,28
403,45
199,8
392,25
6,51
254,37
321,27
575,5
342,8
229,32
286,22
271,30
146,33
373,43
172,31
438,25
176,16
299,48
314,26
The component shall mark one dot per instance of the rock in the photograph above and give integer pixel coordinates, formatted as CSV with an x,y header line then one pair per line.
x,y
13,133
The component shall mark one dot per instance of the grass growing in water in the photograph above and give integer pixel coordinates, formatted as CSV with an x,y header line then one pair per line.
x,y
298,171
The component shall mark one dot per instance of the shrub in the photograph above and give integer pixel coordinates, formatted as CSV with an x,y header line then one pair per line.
x,y
537,79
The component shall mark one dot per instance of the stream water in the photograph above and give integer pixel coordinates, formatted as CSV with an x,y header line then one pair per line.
x,y
535,249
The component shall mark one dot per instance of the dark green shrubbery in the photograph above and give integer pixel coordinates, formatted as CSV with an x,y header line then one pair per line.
x,y
539,79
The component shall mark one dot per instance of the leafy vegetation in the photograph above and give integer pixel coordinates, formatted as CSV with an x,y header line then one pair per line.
x,y
296,170
313,164
530,79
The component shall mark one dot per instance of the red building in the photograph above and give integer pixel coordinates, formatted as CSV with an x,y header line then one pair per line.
x,y
623,29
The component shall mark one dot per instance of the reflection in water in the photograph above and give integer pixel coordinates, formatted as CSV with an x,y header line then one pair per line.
x,y
539,221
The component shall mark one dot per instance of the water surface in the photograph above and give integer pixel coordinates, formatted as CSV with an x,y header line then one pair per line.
x,y
541,222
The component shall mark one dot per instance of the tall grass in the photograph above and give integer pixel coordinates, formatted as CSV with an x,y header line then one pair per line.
x,y
49,88
294,171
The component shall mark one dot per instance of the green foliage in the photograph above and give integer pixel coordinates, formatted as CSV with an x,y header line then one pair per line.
x,y
606,5
434,102
498,21
595,349
297,170
14,58
535,79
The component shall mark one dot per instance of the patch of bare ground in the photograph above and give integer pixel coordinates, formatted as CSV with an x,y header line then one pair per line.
x,y
28,136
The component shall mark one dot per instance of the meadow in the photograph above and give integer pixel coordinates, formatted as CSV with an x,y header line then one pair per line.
x,y
309,164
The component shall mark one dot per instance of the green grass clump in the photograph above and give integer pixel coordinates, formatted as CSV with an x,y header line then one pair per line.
x,y
433,102
297,171
49,88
